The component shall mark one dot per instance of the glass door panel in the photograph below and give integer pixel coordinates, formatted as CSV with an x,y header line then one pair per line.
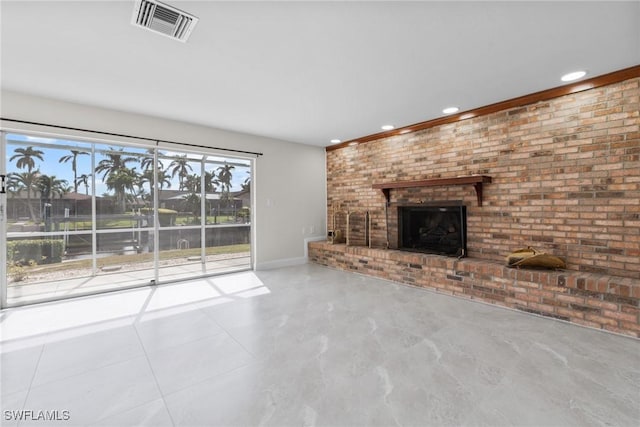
x,y
49,217
124,215
180,216
228,221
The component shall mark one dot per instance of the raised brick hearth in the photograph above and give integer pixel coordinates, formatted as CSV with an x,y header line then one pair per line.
x,y
564,178
589,299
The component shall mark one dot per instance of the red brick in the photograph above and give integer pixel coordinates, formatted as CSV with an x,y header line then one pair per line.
x,y
544,308
567,312
621,331
630,326
601,320
586,323
601,304
570,299
626,317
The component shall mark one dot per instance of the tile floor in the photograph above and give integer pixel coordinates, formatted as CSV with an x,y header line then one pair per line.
x,y
306,346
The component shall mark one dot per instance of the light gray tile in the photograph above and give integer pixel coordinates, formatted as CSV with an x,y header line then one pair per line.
x,y
88,351
245,311
96,394
575,384
234,398
163,329
189,363
10,406
17,369
152,414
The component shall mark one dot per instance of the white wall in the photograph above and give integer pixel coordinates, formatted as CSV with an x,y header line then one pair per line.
x,y
289,181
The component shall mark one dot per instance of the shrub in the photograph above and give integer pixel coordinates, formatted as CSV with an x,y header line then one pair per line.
x,y
17,273
40,251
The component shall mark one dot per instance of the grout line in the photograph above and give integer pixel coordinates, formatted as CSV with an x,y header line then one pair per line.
x,y
155,378
35,371
204,380
135,322
86,371
225,331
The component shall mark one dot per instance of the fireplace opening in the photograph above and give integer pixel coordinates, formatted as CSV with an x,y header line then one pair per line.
x,y
433,229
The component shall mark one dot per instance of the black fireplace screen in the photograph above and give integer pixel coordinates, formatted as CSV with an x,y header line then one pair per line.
x,y
437,230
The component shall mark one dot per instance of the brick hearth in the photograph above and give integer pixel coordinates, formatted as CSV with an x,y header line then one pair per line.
x,y
589,299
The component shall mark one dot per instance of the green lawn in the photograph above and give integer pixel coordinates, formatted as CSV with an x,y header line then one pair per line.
x,y
131,222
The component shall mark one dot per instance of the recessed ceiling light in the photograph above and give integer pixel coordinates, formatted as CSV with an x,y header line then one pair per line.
x,y
451,110
573,76
335,141
388,127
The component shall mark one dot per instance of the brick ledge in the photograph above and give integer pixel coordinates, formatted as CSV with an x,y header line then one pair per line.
x,y
589,299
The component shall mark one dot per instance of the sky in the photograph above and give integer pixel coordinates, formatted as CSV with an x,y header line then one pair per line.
x,y
53,166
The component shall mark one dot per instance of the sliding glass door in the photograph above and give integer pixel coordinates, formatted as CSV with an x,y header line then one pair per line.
x,y
82,217
206,213
228,214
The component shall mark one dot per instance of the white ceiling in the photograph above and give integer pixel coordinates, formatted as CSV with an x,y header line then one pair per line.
x,y
309,72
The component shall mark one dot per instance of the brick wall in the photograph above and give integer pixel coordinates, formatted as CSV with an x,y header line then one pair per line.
x,y
566,178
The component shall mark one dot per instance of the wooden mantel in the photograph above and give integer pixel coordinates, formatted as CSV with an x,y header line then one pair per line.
x,y
475,180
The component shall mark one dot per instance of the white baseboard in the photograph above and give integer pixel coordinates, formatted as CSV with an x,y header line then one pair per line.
x,y
289,262
279,263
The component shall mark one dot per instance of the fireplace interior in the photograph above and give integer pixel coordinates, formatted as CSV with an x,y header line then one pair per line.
x,y
433,229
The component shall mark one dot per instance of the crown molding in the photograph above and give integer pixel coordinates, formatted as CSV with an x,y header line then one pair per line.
x,y
521,101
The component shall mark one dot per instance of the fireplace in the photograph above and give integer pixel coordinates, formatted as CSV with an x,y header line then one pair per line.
x,y
433,229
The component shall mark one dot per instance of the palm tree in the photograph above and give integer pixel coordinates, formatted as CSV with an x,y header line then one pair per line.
x,y
191,183
162,178
144,195
147,162
122,181
180,166
74,165
13,187
224,178
84,180
246,185
66,189
191,203
26,181
117,175
25,157
113,163
210,182
50,186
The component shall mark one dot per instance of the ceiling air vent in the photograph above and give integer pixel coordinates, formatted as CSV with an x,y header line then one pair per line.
x,y
163,19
